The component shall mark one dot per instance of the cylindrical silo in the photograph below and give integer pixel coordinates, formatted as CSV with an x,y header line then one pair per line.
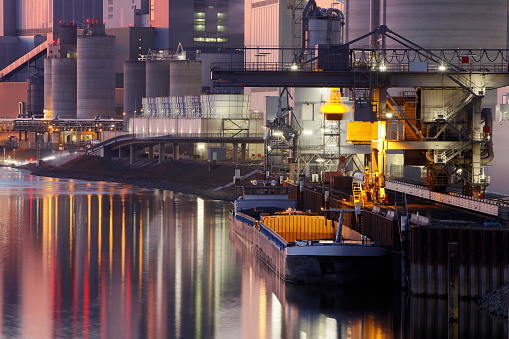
x,y
185,77
68,33
157,78
357,21
64,95
324,29
37,94
134,86
449,24
29,95
48,87
96,76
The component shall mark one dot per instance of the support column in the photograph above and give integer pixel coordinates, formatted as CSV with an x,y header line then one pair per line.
x,y
120,152
151,152
176,151
132,154
161,152
235,151
243,152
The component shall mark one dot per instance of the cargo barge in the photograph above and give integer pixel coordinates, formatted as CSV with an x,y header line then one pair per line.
x,y
301,247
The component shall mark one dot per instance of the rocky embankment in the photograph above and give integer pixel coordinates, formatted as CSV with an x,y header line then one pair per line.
x,y
185,176
495,302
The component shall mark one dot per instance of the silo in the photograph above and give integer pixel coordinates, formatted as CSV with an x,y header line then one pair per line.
x,y
29,95
158,78
357,19
48,87
64,95
95,75
449,24
134,86
446,24
325,28
68,34
185,77
37,94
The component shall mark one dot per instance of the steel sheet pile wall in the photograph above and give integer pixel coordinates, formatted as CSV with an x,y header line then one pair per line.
x,y
383,230
312,200
483,256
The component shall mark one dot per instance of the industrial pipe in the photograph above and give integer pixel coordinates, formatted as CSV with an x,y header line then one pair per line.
x,y
341,18
304,27
487,115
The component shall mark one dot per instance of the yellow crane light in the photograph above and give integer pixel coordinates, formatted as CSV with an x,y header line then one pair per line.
x,y
334,108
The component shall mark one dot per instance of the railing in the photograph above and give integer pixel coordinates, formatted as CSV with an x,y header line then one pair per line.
x,y
478,205
161,135
453,61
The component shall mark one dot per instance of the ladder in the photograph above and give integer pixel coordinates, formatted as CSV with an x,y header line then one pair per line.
x,y
357,193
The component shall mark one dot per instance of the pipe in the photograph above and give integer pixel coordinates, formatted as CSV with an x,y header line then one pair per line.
x,y
341,19
304,24
487,115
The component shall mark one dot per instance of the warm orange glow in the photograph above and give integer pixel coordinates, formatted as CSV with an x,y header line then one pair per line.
x,y
334,108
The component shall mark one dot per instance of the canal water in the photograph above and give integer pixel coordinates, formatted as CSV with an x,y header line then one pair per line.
x,y
104,260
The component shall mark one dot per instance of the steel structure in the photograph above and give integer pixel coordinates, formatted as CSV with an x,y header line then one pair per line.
x,y
452,135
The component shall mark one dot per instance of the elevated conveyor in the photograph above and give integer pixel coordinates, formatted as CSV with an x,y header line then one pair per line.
x,y
22,62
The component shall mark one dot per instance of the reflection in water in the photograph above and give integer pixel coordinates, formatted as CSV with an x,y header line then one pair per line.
x,y
105,260
274,309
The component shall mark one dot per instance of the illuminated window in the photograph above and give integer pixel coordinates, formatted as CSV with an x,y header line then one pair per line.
x,y
199,27
152,10
222,28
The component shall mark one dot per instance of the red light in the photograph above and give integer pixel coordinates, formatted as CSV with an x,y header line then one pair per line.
x,y
31,159
60,22
88,20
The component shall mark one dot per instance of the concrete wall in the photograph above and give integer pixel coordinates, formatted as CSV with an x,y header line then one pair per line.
x,y
10,94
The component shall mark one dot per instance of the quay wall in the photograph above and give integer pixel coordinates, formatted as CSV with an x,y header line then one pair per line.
x,y
483,252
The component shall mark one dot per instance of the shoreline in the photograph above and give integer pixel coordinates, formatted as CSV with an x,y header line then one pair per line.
x,y
184,176
200,178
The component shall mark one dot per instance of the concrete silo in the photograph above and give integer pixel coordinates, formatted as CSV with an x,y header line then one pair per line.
x,y
95,73
185,77
35,94
64,93
449,24
134,86
440,24
48,86
158,78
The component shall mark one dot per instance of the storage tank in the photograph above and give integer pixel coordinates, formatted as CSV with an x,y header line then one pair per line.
x,y
37,94
68,33
134,86
357,21
48,75
64,94
325,28
96,75
448,24
185,77
158,78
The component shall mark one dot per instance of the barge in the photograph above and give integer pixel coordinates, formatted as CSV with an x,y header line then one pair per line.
x,y
304,248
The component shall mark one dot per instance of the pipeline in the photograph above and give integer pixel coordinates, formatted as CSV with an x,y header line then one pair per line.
x,y
304,24
341,19
487,115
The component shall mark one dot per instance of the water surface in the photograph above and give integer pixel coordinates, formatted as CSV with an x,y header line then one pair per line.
x,y
104,260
